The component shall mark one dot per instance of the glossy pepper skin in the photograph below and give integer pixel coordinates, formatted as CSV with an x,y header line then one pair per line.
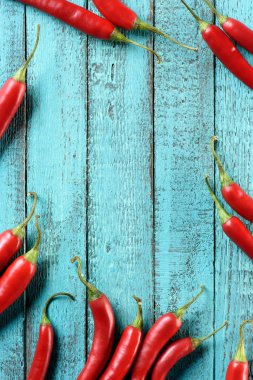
x,y
124,17
13,92
233,227
18,275
157,337
175,352
225,50
235,29
83,20
233,194
127,349
45,344
238,368
12,240
104,330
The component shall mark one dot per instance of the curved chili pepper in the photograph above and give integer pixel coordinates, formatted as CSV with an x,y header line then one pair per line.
x,y
84,20
18,275
238,368
233,227
238,31
225,50
127,349
157,337
104,329
13,92
45,343
124,17
175,352
233,194
12,240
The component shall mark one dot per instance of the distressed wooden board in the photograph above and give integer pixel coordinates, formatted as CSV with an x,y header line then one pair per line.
x,y
56,166
234,118
12,190
184,122
98,143
120,203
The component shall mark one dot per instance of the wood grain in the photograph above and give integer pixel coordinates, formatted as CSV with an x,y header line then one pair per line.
x,y
12,190
56,166
117,148
234,117
184,120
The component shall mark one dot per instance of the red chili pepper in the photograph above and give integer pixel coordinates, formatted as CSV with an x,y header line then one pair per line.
x,y
124,17
18,275
13,92
175,352
104,329
83,20
238,31
233,194
127,349
12,240
45,343
225,50
157,337
233,227
238,368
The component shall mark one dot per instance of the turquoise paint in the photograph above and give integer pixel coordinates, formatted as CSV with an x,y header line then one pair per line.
x,y
12,190
117,148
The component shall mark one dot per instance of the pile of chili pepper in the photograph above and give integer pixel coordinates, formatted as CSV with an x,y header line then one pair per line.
x,y
221,44
239,201
135,353
17,275
115,12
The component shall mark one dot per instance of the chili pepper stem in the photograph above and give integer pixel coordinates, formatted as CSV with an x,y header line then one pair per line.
x,y
45,320
182,310
119,37
32,255
138,321
196,342
224,216
142,25
224,177
93,292
20,230
222,19
202,24
240,355
21,73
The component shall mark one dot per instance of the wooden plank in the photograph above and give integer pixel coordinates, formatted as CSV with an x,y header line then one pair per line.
x,y
56,169
12,190
120,173
184,119
234,118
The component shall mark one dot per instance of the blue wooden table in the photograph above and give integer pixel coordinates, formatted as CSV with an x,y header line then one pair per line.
x,y
116,148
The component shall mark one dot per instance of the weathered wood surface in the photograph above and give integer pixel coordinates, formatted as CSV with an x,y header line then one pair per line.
x,y
117,148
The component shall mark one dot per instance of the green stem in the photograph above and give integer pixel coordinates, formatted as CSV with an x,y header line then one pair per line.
x,y
138,321
196,342
202,24
119,37
142,25
222,19
240,355
21,73
44,319
224,177
93,292
20,230
32,255
182,310
224,216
